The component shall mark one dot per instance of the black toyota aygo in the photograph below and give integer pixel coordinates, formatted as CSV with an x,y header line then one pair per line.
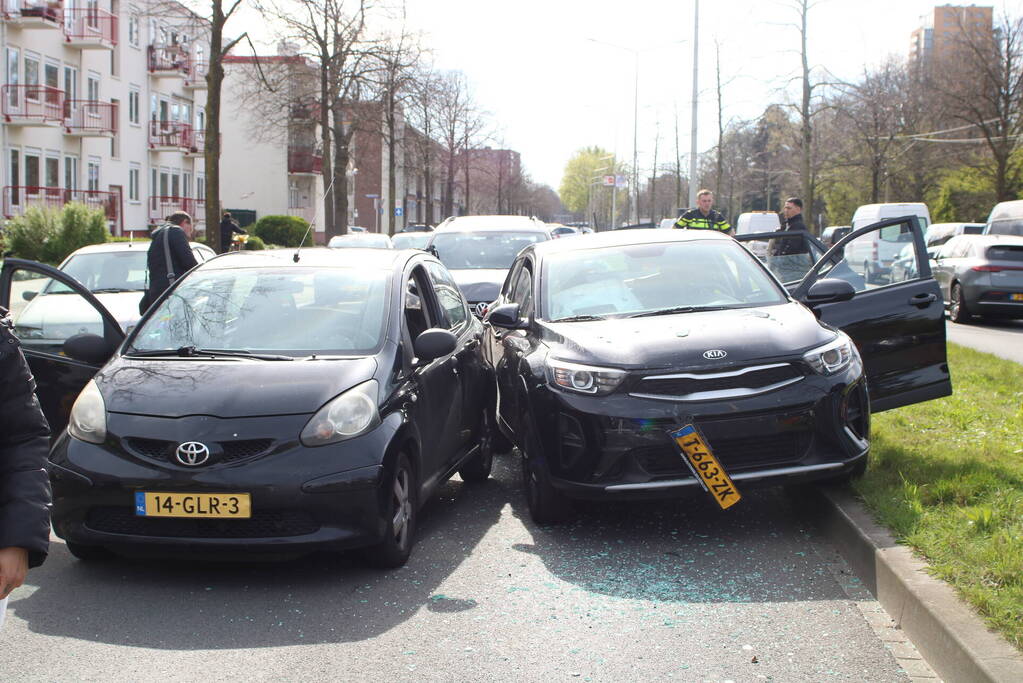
x,y
648,363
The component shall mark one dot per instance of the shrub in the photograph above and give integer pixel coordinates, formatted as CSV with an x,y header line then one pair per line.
x,y
286,231
26,235
254,244
48,235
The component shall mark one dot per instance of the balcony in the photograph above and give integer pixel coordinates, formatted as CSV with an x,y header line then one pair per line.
x,y
170,136
85,118
305,111
169,62
304,161
162,206
196,144
34,13
19,198
196,77
32,105
90,28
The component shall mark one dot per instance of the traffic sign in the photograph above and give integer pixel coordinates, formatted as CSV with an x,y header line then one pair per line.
x,y
609,180
399,211
621,181
372,196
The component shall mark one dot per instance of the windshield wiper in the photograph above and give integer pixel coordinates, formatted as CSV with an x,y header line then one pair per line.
x,y
678,309
191,352
579,318
109,290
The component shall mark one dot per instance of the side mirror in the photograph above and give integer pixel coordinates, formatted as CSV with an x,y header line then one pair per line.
x,y
28,296
434,343
88,348
828,291
507,316
433,250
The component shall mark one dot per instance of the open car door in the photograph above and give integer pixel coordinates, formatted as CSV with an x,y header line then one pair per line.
x,y
48,307
896,316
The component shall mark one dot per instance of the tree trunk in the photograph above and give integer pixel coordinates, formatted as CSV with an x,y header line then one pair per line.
x,y
392,182
449,190
211,159
806,130
327,172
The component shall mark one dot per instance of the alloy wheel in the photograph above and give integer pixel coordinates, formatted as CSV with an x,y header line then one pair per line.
x,y
402,506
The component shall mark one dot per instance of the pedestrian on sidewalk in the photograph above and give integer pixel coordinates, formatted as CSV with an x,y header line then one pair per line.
x,y
228,229
24,484
170,256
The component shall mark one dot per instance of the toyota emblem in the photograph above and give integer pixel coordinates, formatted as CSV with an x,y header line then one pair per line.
x,y
192,453
714,354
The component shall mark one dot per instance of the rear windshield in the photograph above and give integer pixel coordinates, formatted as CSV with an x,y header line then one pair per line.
x,y
1005,253
1012,226
973,229
489,249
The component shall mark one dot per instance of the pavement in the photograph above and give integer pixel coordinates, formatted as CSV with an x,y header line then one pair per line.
x,y
1003,338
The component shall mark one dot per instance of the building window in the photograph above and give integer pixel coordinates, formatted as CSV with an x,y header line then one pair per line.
x,y
15,175
133,183
115,142
52,170
200,188
32,172
70,173
70,83
133,29
133,107
93,175
31,77
92,89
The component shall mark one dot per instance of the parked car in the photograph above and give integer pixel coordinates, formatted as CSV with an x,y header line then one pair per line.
x,y
558,230
833,233
601,348
757,221
267,403
939,233
981,275
1006,218
872,257
356,228
478,250
411,240
115,272
417,227
360,240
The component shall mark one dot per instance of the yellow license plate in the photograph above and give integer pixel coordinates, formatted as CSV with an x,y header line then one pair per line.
x,y
705,466
1017,297
149,504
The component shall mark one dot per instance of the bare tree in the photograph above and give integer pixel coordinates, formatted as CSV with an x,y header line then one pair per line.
x,y
459,122
424,91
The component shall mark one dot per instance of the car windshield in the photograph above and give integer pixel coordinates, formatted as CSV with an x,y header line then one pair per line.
x,y
1006,227
289,311
480,250
657,277
411,240
362,240
110,271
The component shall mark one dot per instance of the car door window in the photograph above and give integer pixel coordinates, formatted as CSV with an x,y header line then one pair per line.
x,y
788,256
449,297
418,314
877,258
522,292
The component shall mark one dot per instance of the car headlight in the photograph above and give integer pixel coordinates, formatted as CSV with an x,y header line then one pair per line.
x,y
834,356
350,414
584,379
88,420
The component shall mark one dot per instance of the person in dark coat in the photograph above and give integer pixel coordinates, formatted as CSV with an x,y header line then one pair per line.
x,y
228,228
793,212
172,236
24,485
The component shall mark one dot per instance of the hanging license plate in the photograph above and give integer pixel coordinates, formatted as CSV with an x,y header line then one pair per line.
x,y
705,467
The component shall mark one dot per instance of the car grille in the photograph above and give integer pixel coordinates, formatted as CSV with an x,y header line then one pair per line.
x,y
262,524
734,454
158,449
711,385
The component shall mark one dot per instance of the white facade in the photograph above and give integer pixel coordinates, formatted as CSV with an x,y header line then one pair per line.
x,y
103,102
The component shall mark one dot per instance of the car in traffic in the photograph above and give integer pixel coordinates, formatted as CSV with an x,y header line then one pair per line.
x,y
558,230
833,233
410,240
603,348
417,227
360,240
266,403
115,272
939,233
1006,218
478,250
981,276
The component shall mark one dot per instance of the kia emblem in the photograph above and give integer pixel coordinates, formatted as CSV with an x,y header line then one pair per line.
x,y
714,354
192,453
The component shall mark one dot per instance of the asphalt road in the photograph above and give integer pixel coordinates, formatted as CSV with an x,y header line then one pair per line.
x,y
625,592
1004,338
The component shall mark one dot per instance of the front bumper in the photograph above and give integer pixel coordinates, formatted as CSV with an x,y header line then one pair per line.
x,y
302,498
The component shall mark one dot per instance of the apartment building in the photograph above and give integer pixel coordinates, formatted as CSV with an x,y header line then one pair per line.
x,y
103,102
945,27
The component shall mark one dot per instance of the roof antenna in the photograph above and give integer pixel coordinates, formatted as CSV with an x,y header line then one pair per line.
x,y
313,223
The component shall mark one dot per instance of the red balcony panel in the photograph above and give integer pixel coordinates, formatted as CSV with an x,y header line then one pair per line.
x,y
18,198
35,12
304,160
169,61
89,27
86,117
170,135
162,206
32,104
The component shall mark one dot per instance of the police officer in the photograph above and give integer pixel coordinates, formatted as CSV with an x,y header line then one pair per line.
x,y
703,217
24,486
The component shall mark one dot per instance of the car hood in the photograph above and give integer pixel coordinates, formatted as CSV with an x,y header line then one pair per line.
x,y
69,309
679,341
479,284
226,388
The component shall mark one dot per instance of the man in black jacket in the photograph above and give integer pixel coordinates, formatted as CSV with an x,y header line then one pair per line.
x,y
24,486
228,228
170,239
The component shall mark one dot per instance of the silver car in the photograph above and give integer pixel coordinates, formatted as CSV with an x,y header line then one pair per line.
x,y
981,275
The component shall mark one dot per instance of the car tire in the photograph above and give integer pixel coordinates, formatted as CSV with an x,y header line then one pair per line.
x,y
957,309
88,553
546,504
478,467
401,512
868,273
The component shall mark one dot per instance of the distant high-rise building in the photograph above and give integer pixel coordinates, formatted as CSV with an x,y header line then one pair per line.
x,y
947,26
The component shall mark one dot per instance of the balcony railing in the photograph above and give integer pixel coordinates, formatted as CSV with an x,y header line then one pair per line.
x,y
196,77
35,13
304,160
162,206
90,28
169,61
18,198
305,111
170,135
90,118
33,105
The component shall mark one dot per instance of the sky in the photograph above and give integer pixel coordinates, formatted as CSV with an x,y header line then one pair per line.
x,y
560,75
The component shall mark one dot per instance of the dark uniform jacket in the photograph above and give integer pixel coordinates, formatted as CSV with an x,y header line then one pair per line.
x,y
786,246
695,220
182,260
228,228
24,443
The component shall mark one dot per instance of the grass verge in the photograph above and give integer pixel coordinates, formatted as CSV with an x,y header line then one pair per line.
x,y
946,477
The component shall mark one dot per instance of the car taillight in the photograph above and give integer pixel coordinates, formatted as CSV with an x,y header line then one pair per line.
x,y
994,269
873,252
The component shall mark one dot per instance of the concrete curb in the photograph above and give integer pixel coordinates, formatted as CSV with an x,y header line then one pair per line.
x,y
947,633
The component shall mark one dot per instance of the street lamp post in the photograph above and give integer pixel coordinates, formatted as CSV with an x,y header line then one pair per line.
x,y
692,144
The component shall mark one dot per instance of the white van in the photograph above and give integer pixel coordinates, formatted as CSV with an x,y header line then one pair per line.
x,y
757,221
1006,219
871,255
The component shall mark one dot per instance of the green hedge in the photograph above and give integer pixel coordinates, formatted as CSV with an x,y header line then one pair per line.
x,y
254,244
286,231
50,235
